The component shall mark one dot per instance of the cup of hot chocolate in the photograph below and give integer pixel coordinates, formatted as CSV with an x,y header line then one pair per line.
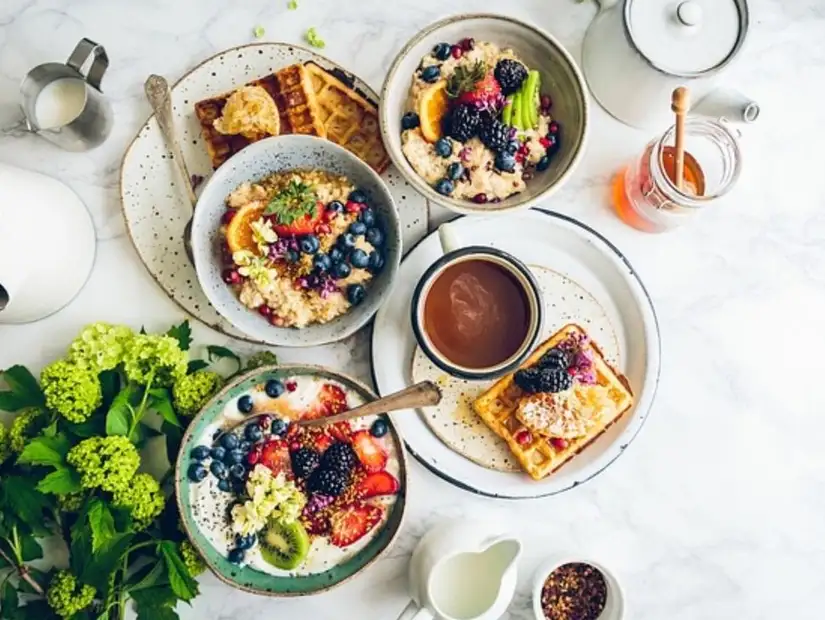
x,y
477,311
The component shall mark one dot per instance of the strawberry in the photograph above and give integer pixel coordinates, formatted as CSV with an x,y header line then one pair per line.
x,y
333,399
352,522
275,456
322,442
485,95
301,226
379,483
340,430
369,451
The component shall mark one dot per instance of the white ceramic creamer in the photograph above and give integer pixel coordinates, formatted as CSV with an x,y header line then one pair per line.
x,y
47,245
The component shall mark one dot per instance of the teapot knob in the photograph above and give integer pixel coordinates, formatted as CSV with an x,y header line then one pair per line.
x,y
689,13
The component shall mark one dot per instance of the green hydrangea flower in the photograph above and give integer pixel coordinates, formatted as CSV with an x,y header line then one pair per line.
x,y
71,502
28,423
155,358
5,443
109,463
191,392
71,390
66,596
194,562
261,358
143,498
100,346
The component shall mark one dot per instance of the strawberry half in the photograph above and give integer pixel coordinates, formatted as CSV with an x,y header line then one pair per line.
x,y
369,451
341,431
352,522
275,456
322,441
331,400
379,483
301,226
485,95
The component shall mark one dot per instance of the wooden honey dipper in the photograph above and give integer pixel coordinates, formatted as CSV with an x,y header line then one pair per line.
x,y
679,103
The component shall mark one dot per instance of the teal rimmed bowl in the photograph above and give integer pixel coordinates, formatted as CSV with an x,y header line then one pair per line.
x,y
248,578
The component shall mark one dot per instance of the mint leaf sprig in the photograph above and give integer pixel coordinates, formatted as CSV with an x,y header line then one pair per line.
x,y
295,201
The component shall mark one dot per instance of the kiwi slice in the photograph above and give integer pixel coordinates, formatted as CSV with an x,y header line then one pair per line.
x,y
284,545
507,112
515,116
533,97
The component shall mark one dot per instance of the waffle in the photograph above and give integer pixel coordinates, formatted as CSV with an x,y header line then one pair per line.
x,y
497,408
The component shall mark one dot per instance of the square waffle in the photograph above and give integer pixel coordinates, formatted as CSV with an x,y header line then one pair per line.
x,y
497,408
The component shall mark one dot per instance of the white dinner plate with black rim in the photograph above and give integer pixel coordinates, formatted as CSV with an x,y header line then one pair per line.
x,y
610,287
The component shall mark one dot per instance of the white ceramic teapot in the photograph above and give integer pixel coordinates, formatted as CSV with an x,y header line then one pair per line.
x,y
636,52
462,570
47,245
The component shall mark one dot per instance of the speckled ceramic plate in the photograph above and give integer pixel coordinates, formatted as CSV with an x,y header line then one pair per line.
x,y
584,279
247,577
154,205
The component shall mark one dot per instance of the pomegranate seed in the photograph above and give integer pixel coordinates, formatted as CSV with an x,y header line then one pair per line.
x,y
558,443
264,421
253,457
231,276
228,215
456,51
291,386
323,229
554,127
467,44
275,320
544,142
353,207
546,102
480,199
264,310
552,140
524,437
294,446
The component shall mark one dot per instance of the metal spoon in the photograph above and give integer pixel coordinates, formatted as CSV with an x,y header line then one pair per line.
x,y
160,98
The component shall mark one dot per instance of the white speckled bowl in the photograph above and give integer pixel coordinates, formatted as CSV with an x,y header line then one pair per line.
x,y
614,608
258,160
560,78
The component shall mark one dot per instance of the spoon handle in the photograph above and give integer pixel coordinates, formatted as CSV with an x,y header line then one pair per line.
x,y
421,394
160,98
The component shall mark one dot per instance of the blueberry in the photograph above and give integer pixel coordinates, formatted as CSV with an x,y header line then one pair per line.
x,y
230,441
506,162
245,403
292,256
335,206
376,263
379,428
512,147
454,171
358,195
279,426
443,147
346,241
224,486
253,432
245,542
274,388
199,453
217,453
367,216
322,262
544,163
357,228
219,470
431,74
442,51
234,456
309,244
196,472
374,236
340,270
235,556
358,258
355,295
237,471
410,121
336,255
445,187
245,446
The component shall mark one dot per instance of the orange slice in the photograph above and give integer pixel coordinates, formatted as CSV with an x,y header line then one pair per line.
x,y
431,110
239,233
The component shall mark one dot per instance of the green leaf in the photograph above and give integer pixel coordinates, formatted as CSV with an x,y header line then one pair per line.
x,y
81,544
101,523
161,401
157,613
183,334
9,401
174,436
109,385
95,425
217,352
147,577
50,451
30,549
100,566
25,501
23,384
61,481
184,587
195,366
8,600
119,416
156,602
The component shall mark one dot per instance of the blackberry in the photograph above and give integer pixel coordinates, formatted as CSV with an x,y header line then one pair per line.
x,y
327,482
304,462
555,359
539,379
495,135
510,75
463,122
339,457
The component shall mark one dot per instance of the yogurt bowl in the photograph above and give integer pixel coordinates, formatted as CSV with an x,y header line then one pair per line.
x,y
614,605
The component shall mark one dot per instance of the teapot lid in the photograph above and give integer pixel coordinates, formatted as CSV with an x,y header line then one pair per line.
x,y
689,38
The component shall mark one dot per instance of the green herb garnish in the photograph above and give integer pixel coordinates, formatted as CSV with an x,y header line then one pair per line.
x,y
292,5
258,32
314,40
465,78
295,201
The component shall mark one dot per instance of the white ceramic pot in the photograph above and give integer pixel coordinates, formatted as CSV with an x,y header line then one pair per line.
x,y
47,245
637,51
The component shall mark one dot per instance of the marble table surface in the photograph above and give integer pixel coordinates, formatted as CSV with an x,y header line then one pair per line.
x,y
711,514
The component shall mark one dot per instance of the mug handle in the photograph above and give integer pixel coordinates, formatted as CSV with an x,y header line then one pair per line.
x,y
79,58
448,238
414,612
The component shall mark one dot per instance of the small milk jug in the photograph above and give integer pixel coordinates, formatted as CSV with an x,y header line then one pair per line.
x,y
636,52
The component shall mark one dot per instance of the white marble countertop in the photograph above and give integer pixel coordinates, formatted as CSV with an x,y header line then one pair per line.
x,y
716,511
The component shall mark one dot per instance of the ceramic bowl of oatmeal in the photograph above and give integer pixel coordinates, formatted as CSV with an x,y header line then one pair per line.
x,y
484,113
296,241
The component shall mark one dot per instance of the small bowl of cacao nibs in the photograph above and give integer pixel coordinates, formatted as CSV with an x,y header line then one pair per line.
x,y
568,588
